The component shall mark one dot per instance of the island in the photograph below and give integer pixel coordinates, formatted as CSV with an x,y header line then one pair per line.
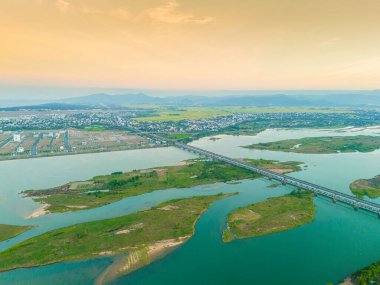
x,y
270,216
275,166
10,231
145,235
322,145
366,187
106,189
365,276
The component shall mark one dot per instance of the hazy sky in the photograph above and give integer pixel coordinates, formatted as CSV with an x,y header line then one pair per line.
x,y
197,44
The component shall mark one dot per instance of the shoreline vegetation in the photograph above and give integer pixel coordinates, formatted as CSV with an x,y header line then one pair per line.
x,y
144,235
322,145
106,189
270,216
366,187
365,276
10,231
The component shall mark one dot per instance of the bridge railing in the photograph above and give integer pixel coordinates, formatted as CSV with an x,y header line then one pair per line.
x,y
320,190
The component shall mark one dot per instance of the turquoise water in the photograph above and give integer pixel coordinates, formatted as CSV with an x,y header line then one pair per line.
x,y
338,242
82,272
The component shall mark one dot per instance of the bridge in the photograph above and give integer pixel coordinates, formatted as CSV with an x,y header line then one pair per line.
x,y
336,196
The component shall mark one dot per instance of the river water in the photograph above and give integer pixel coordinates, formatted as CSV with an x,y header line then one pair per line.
x,y
338,242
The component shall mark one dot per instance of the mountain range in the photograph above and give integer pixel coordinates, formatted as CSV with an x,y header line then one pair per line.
x,y
107,101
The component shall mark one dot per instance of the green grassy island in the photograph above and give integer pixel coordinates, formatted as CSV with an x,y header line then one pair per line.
x,y
10,231
276,166
270,216
102,190
323,144
144,235
366,187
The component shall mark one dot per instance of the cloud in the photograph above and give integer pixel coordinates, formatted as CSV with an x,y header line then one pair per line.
x,y
62,5
119,13
329,42
169,13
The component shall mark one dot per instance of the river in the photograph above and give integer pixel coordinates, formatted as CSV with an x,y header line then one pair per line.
x,y
338,242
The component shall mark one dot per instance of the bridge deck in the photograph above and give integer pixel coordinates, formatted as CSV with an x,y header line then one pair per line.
x,y
335,195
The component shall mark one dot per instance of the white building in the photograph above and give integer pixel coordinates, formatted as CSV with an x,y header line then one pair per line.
x,y
17,138
20,149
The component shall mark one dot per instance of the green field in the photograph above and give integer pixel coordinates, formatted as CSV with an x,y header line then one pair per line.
x,y
366,187
177,136
194,113
170,222
270,216
10,231
322,145
102,190
186,113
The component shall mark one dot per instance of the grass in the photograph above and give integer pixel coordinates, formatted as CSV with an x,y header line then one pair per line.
x,y
177,136
10,231
95,128
241,109
194,113
66,198
121,185
270,216
170,220
366,187
274,165
323,145
186,113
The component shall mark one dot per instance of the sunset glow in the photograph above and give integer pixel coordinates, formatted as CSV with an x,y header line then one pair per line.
x,y
213,44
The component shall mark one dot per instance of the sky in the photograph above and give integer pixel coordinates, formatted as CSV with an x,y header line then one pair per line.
x,y
191,44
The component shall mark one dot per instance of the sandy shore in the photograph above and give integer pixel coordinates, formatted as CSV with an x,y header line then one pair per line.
x,y
138,258
281,170
347,281
39,212
163,246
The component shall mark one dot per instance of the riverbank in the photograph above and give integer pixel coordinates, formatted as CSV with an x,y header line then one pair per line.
x,y
49,154
155,230
365,276
138,258
39,212
270,216
322,145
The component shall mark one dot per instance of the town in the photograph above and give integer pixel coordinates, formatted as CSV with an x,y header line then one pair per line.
x,y
26,144
46,133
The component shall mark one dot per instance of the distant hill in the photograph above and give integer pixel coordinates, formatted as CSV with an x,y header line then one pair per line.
x,y
280,100
107,101
50,106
